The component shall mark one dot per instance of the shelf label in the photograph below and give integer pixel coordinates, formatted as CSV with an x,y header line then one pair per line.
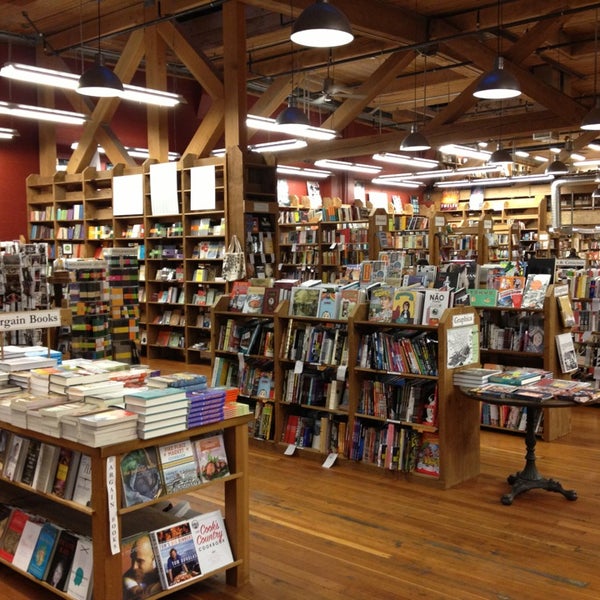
x,y
340,374
291,448
462,320
30,319
261,207
113,519
331,458
298,367
381,220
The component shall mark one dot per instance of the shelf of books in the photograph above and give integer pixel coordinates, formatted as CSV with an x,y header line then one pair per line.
x,y
520,327
100,522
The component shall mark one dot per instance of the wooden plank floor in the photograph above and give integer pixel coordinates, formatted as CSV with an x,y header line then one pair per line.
x,y
350,533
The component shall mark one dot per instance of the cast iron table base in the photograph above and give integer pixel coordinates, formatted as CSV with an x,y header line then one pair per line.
x,y
529,478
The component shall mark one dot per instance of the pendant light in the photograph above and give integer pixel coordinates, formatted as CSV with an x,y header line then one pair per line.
x,y
500,157
591,121
322,25
557,167
100,81
497,84
416,141
292,119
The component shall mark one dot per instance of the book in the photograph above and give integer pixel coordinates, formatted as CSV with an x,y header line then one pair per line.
x,y
15,457
494,390
43,551
138,566
428,458
82,490
175,552
178,466
565,310
515,377
253,302
152,397
12,533
304,301
211,457
270,301
535,289
567,357
27,542
329,304
435,302
510,290
62,470
483,297
380,304
43,478
211,541
238,295
79,584
140,476
30,463
62,559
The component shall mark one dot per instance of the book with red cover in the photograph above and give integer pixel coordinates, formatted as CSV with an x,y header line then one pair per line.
x,y
12,533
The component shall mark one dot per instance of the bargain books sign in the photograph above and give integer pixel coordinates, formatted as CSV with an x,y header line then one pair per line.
x,y
38,319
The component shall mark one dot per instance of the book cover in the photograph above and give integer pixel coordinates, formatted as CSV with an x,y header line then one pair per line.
x,y
43,478
253,301
304,301
62,471
211,457
270,301
483,297
495,390
62,559
82,491
238,295
428,458
140,476
138,566
349,300
435,302
211,541
510,290
175,552
31,459
79,585
515,377
43,551
27,542
12,533
565,309
407,306
381,301
566,352
178,466
329,304
535,289
15,457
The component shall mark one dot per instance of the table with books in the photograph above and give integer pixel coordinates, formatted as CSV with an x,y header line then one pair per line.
x,y
533,396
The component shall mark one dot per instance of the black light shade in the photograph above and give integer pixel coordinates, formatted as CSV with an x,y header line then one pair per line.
x,y
322,25
497,84
591,121
415,141
100,81
500,157
292,119
557,167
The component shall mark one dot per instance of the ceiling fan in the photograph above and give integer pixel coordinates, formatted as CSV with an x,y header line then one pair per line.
x,y
330,89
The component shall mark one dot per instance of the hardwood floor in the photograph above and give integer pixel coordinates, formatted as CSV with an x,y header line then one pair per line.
x,y
355,533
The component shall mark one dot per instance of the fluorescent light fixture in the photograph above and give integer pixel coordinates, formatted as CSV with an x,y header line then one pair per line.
x,y
279,146
576,156
8,134
458,150
322,25
39,113
409,161
70,81
494,181
590,162
342,165
396,182
540,158
521,153
595,145
555,149
302,172
135,152
309,132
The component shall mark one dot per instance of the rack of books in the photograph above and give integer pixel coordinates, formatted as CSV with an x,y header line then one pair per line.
x,y
83,556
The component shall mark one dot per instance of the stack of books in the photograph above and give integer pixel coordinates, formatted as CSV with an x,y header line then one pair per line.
x,y
206,407
78,371
160,410
183,380
473,376
110,426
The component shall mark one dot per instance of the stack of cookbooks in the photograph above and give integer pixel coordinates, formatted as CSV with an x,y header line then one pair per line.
x,y
206,407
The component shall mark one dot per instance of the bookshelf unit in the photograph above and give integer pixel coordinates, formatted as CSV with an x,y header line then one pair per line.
x,y
520,323
95,522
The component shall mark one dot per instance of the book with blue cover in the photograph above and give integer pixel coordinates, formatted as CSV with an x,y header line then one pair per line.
x,y
43,551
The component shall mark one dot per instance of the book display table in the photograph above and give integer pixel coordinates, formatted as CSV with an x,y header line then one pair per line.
x,y
530,478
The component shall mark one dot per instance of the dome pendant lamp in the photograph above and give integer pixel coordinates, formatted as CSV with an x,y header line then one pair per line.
x,y
415,141
497,84
99,81
292,119
322,25
591,121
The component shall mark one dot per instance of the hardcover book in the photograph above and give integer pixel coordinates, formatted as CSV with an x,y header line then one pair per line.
x,y
62,559
535,289
211,457
253,301
79,585
483,297
515,377
62,470
304,301
407,306
509,287
12,533
381,301
138,566
211,541
27,543
435,302
178,466
82,491
565,309
428,458
175,551
43,551
140,476
566,352
329,304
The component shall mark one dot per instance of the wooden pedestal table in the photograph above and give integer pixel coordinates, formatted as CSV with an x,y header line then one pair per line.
x,y
530,478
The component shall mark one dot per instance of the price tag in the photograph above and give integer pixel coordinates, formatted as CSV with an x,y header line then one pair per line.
x,y
341,372
298,367
331,458
291,448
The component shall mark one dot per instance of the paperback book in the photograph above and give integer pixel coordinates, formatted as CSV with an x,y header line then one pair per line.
x,y
178,466
138,567
535,289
